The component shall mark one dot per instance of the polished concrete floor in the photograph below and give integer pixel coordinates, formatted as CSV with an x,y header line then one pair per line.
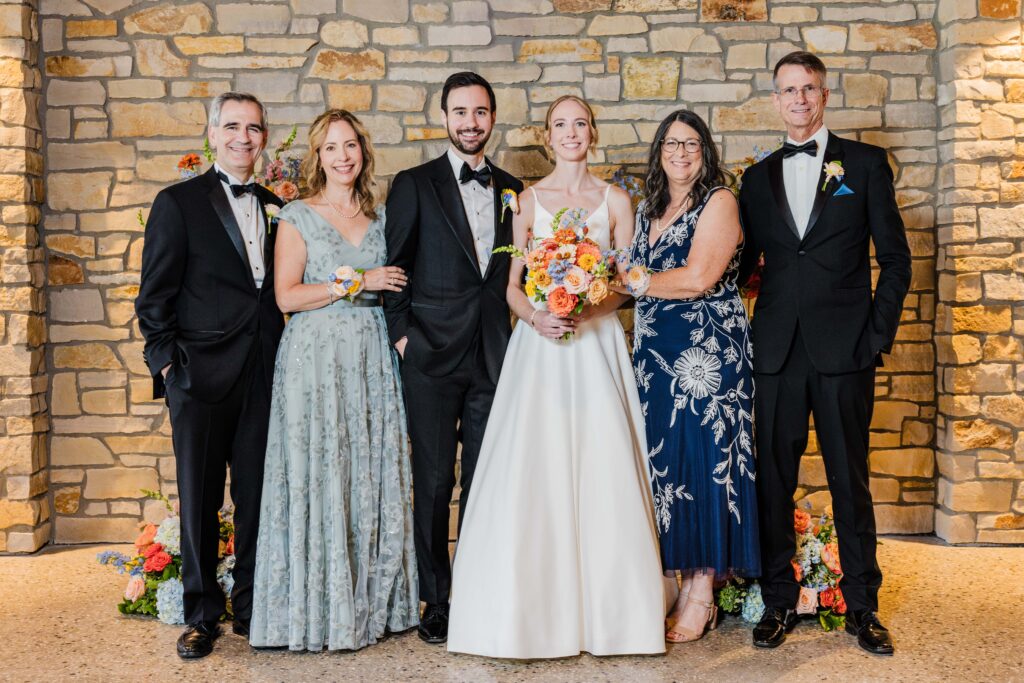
x,y
957,614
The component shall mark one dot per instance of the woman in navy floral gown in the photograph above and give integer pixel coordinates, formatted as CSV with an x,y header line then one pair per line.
x,y
692,360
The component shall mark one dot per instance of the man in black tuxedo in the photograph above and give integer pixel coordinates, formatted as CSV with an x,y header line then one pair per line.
x,y
207,311
812,209
451,324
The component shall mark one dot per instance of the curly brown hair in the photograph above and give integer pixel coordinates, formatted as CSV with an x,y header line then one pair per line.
x,y
313,174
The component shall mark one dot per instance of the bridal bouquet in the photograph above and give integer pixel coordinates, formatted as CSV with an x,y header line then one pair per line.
x,y
154,570
816,567
567,270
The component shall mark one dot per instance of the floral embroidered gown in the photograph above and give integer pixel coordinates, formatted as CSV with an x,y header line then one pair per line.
x,y
335,565
692,361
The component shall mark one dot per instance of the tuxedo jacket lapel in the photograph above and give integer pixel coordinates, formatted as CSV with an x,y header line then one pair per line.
x,y
265,197
448,195
502,224
779,190
220,203
833,152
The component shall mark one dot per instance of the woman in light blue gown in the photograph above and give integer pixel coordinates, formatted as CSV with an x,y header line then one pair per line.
x,y
335,565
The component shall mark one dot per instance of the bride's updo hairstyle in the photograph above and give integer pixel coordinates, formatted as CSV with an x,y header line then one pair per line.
x,y
712,174
312,171
590,113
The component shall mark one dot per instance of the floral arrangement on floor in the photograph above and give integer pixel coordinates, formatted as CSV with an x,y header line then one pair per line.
x,y
154,570
816,567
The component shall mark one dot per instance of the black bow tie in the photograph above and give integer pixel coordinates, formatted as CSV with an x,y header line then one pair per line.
x,y
237,190
808,148
482,175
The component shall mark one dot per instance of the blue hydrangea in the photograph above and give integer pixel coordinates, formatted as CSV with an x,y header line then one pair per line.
x,y
753,605
113,558
225,574
169,535
170,601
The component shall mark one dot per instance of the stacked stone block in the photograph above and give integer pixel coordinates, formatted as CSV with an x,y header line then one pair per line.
x,y
126,85
980,321
24,503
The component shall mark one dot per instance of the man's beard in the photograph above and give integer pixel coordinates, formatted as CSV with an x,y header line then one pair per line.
x,y
457,144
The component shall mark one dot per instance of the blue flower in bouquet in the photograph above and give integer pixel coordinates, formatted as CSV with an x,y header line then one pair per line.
x,y
225,574
170,601
169,535
753,605
114,559
557,270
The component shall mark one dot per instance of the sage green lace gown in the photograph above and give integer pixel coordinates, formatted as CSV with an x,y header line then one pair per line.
x,y
335,564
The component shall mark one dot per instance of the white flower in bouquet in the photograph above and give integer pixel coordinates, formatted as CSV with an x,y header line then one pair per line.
x,y
576,280
169,535
170,601
753,605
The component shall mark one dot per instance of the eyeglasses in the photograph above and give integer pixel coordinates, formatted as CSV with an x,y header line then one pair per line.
x,y
670,145
811,92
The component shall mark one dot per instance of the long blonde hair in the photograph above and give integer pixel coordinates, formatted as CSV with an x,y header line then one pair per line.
x,y
313,173
590,113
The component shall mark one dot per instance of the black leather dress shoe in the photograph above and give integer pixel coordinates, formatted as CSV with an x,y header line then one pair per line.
x,y
240,628
871,635
433,626
774,625
197,640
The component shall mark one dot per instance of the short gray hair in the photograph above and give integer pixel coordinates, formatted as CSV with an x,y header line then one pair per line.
x,y
218,103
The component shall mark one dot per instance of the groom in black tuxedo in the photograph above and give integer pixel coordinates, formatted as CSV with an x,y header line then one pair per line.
x,y
207,311
812,209
451,324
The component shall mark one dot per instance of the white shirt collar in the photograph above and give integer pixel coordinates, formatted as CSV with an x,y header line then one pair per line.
x,y
821,137
232,179
456,161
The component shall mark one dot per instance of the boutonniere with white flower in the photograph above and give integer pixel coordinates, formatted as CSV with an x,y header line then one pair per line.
x,y
272,211
509,200
833,169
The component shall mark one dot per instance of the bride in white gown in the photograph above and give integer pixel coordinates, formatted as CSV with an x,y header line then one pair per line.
x,y
558,552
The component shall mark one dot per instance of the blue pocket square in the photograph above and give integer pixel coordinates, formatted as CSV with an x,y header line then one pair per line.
x,y
843,189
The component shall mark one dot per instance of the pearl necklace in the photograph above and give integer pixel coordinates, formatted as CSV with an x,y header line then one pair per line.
x,y
670,221
337,210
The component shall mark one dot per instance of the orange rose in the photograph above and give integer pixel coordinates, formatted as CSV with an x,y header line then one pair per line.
x,y
145,538
830,556
839,607
561,303
827,597
287,190
801,520
564,236
797,572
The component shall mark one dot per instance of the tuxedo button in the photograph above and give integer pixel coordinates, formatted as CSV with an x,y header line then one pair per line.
x,y
801,253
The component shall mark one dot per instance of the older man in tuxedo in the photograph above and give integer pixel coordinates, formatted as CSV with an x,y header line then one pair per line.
x,y
813,209
207,311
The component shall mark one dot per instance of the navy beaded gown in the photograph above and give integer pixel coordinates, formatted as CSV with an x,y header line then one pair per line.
x,y
692,361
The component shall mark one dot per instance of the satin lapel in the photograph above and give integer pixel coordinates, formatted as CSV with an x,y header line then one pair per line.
x,y
227,220
833,152
502,224
454,211
779,190
268,236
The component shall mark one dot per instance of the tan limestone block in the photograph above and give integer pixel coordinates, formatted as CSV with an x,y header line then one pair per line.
x,y
511,73
15,20
66,500
209,45
864,90
64,399
397,35
88,155
136,88
123,292
611,25
90,356
243,63
156,59
684,39
120,312
73,67
884,490
151,444
889,415
733,10
199,88
812,472
918,433
793,15
1004,286
346,33
437,12
17,512
249,19
999,9
1001,222
414,133
90,28
75,245
543,50
703,69
582,6
401,97
170,20
18,454
825,39
134,360
653,5
472,34
387,11
746,56
1007,521
905,462
15,73
525,136
105,402
1001,470
90,130
995,126
60,334
912,388
16,298
904,519
1008,408
13,188
108,221
148,119
983,378
890,38
367,65
26,487
956,468
61,93
975,496
524,163
76,451
413,56
96,529
650,78
982,318
540,26
911,358
281,45
1003,348
753,115
965,435
715,92
1014,90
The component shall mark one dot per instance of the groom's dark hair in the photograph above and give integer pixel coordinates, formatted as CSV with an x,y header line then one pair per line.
x,y
807,60
464,79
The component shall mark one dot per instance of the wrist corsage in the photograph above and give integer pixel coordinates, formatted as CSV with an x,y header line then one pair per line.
x,y
637,280
346,282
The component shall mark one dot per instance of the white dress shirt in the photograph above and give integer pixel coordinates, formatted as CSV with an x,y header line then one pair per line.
x,y
250,221
479,204
801,173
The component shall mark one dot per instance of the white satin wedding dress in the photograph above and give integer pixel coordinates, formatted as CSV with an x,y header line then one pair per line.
x,y
558,552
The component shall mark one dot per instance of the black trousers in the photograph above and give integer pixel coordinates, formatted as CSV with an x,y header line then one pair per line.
x,y
841,405
443,411
208,438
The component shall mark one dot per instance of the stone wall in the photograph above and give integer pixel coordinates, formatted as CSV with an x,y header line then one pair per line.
x,y
126,86
24,503
980,444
